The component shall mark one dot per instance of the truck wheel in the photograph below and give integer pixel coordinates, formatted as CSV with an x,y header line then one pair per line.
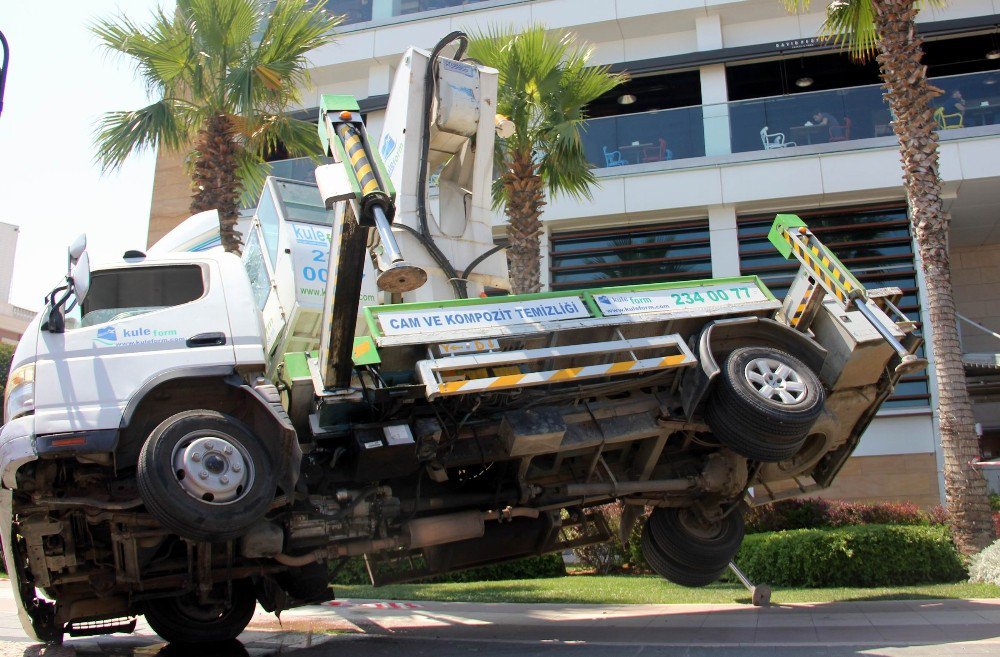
x,y
182,619
679,535
674,571
764,403
205,476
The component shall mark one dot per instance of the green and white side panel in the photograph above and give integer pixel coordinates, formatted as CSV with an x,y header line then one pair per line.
x,y
497,317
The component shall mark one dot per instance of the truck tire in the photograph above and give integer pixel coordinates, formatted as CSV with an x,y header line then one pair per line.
x,y
205,476
674,571
678,535
764,403
181,619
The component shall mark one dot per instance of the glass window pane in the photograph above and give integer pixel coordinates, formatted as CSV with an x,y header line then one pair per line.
x,y
253,262
267,215
121,293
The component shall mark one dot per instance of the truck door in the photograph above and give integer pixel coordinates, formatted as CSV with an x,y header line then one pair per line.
x,y
139,324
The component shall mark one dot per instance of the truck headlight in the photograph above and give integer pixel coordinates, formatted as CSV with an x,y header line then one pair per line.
x,y
19,396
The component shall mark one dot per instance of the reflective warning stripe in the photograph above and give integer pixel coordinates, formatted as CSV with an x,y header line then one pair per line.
x,y
814,258
555,376
355,150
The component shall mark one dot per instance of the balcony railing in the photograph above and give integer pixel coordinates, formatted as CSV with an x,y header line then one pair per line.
x,y
780,122
645,137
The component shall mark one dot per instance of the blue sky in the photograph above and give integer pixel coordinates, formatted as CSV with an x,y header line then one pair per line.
x,y
59,83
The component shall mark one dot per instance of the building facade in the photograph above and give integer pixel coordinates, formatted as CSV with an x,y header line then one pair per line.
x,y
13,319
734,111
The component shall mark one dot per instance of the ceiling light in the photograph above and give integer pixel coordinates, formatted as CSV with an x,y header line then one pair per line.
x,y
626,99
993,54
804,81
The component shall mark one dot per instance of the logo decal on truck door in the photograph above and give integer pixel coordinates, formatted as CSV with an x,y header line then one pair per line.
x,y
109,336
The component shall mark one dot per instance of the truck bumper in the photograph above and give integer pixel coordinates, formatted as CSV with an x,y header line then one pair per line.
x,y
17,447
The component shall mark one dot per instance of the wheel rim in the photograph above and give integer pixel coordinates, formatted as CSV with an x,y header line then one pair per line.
x,y
212,468
686,518
775,381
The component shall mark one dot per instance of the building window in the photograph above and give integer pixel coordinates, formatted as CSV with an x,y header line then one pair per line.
x,y
631,255
874,243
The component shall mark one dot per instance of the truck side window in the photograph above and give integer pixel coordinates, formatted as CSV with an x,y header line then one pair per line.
x,y
253,262
267,215
118,294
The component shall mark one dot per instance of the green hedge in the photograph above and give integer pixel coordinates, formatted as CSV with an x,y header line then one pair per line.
x,y
6,354
549,565
868,555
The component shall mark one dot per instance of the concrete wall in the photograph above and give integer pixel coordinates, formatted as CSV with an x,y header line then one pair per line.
x,y
8,245
171,195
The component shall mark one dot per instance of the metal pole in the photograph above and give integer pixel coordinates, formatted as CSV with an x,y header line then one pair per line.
x,y
3,71
908,362
392,252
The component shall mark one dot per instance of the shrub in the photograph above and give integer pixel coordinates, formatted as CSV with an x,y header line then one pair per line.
x,y
842,514
788,514
6,355
994,502
985,566
868,555
609,557
818,514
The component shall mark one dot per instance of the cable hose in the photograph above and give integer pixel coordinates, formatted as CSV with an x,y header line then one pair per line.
x,y
458,283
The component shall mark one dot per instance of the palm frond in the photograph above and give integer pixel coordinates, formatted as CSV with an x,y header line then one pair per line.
x,y
546,83
166,122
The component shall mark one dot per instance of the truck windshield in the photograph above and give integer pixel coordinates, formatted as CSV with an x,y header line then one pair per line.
x,y
117,294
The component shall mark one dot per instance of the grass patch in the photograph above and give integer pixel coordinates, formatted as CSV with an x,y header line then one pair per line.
x,y
614,589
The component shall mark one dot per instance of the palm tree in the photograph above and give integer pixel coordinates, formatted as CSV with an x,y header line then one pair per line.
x,y
222,72
885,28
545,84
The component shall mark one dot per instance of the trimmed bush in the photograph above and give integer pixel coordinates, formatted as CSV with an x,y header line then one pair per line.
x,y
548,565
6,355
868,555
985,566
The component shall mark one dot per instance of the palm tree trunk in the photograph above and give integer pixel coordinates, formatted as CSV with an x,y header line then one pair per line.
x,y
909,95
525,198
215,183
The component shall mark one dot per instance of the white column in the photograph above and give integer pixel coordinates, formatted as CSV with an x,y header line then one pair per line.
x,y
715,110
724,240
382,9
714,93
379,79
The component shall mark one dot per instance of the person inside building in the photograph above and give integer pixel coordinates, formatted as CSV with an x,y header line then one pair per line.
x,y
820,117
955,103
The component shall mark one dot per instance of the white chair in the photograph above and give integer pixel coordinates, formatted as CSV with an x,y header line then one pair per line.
x,y
774,139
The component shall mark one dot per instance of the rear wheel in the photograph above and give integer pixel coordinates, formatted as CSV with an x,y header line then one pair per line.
x,y
183,619
205,476
682,536
764,403
674,571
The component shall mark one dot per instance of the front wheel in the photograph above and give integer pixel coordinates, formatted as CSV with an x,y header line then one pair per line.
x,y
764,403
205,476
182,619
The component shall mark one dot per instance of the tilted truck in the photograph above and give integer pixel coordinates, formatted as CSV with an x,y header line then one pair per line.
x,y
188,433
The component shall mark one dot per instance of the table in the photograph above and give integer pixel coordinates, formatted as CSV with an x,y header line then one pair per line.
x,y
810,134
633,152
980,114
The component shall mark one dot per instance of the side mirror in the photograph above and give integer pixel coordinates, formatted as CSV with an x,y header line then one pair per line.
x,y
81,276
77,248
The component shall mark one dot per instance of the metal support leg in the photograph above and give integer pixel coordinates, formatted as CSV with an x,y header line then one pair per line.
x,y
760,594
908,362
